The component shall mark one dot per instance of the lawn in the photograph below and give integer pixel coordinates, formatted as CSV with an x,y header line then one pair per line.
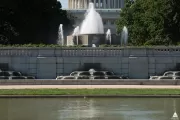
x,y
90,92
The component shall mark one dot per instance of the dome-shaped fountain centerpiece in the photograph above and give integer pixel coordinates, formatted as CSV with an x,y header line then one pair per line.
x,y
92,24
91,31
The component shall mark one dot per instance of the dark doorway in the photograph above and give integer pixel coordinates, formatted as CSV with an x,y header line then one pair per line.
x,y
178,66
96,66
4,66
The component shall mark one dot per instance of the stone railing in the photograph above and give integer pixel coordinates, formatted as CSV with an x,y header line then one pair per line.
x,y
90,52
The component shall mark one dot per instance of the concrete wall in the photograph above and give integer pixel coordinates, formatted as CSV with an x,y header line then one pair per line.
x,y
47,63
90,82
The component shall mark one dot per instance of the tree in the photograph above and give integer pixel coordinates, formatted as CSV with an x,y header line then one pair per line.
x,y
7,30
172,21
149,22
33,21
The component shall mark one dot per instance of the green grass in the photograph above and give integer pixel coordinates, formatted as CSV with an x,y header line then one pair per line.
x,y
90,92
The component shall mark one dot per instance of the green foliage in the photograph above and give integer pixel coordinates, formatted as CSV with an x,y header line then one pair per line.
x,y
151,22
31,21
87,92
106,45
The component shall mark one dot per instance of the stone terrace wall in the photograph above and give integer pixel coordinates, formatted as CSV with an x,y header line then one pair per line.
x,y
90,82
47,63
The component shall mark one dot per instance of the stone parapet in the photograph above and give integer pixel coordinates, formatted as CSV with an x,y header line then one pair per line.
x,y
88,51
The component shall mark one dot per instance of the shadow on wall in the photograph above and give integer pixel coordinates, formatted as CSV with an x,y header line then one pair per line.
x,y
176,68
88,66
4,66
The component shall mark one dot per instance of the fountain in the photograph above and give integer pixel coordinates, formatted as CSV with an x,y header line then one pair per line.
x,y
124,36
76,31
91,31
60,35
175,116
108,36
75,34
92,24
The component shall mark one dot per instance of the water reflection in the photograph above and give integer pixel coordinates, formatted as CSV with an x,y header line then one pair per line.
x,y
88,109
79,109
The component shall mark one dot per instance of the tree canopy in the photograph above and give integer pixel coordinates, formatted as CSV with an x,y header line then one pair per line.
x,y
151,22
31,21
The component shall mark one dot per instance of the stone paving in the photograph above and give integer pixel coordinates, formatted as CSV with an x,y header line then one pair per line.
x,y
88,86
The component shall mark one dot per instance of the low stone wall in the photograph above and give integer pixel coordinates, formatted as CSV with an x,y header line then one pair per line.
x,y
48,63
90,82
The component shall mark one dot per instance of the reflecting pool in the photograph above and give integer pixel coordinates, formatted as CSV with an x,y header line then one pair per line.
x,y
89,109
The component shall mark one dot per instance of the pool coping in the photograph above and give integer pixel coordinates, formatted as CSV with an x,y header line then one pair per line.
x,y
89,96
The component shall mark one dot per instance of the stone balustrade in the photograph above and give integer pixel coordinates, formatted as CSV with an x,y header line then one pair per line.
x,y
89,52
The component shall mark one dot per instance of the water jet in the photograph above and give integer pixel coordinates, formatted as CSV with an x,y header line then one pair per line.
x,y
60,40
108,36
124,36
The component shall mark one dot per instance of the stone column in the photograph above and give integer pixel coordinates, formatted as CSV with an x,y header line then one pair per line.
x,y
84,4
114,3
121,3
81,3
95,3
117,3
87,3
104,5
111,4
108,4
72,4
102,2
99,4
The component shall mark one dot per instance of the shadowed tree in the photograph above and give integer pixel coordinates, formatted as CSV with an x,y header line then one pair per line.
x,y
33,21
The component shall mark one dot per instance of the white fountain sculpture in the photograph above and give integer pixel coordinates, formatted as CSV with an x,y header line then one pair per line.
x,y
124,36
60,35
108,36
75,34
92,24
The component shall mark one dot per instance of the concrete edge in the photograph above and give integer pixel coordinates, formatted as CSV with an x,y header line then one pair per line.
x,y
91,82
89,96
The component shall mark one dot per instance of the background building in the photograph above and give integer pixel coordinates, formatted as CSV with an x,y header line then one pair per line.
x,y
108,9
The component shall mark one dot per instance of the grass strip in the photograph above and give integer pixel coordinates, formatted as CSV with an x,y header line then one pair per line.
x,y
90,92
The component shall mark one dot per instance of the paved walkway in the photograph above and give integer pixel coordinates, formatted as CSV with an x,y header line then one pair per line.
x,y
87,86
